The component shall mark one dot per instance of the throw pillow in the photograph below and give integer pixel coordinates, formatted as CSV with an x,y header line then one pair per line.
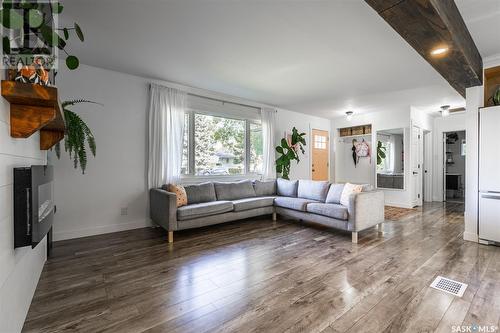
x,y
347,191
180,193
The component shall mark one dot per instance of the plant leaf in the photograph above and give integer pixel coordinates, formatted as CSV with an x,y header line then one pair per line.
x,y
6,45
35,18
66,33
11,19
72,62
79,32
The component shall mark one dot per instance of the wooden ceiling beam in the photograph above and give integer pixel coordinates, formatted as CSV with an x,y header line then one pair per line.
x,y
431,24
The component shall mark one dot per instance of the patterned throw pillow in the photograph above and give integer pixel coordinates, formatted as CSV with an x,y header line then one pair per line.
x,y
180,192
347,191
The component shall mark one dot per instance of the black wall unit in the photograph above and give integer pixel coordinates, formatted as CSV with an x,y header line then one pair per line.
x,y
33,204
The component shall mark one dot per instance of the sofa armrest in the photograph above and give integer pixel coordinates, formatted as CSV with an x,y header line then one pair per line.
x,y
163,208
366,209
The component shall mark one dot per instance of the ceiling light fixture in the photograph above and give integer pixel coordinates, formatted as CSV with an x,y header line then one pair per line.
x,y
439,51
349,115
445,110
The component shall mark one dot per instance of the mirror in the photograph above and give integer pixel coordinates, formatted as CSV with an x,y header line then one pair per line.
x,y
390,158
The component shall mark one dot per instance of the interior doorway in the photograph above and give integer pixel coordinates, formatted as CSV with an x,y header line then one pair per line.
x,y
454,150
320,165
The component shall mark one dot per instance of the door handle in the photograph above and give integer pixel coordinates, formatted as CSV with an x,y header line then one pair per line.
x,y
415,173
313,170
486,196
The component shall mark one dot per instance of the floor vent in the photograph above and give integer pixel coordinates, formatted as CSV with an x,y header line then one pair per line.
x,y
449,286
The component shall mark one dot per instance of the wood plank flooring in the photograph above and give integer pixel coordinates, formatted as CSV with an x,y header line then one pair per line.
x,y
260,276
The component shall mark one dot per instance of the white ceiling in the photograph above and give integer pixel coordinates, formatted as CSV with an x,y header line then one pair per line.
x,y
317,57
482,18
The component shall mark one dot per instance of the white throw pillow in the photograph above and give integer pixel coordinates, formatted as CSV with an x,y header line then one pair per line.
x,y
347,191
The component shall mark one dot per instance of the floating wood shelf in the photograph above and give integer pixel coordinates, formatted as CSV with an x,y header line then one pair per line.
x,y
491,83
34,108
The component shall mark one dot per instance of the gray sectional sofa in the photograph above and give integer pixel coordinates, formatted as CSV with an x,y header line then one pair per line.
x,y
315,201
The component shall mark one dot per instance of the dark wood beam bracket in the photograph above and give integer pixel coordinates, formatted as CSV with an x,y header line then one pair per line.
x,y
430,24
34,108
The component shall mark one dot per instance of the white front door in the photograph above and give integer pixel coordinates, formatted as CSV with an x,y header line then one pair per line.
x,y
416,166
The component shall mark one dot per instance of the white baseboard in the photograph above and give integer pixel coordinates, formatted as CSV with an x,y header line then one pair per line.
x,y
63,235
468,236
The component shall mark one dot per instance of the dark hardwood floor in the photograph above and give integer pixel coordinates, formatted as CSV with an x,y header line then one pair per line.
x,y
256,276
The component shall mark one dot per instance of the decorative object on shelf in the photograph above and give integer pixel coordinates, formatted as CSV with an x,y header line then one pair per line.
x,y
31,38
451,138
35,73
380,152
77,135
289,151
496,96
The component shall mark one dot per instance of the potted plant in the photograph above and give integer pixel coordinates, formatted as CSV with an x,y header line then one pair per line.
x,y
288,151
495,98
77,136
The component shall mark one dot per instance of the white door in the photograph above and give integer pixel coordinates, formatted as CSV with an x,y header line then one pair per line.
x,y
416,166
427,169
489,211
489,149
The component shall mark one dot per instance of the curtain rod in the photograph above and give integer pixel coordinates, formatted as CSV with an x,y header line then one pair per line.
x,y
224,101
215,99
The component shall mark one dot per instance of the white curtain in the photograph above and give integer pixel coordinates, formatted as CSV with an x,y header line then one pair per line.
x,y
166,135
268,118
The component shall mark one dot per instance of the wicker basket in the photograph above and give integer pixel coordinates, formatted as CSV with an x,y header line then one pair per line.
x,y
358,130
368,129
345,131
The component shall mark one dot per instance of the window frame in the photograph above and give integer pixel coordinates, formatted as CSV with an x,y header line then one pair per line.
x,y
191,164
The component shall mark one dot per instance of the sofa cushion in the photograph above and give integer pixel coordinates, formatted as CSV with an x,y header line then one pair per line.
x,y
336,211
203,209
314,190
264,188
180,193
293,203
234,191
347,191
199,193
334,193
251,203
287,188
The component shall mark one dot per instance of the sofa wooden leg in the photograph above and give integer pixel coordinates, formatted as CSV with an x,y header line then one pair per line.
x,y
274,216
355,237
170,236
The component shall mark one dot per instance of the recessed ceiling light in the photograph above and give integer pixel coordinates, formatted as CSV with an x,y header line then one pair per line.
x,y
349,115
439,51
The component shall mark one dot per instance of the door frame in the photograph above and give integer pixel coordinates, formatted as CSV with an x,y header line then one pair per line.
x,y
416,186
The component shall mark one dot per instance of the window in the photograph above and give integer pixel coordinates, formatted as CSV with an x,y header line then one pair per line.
x,y
319,142
217,146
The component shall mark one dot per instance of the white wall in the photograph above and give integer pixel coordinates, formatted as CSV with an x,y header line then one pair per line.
x,y
20,268
454,122
383,120
286,120
91,204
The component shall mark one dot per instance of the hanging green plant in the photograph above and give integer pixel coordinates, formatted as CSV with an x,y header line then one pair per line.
x,y
380,153
289,152
77,136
